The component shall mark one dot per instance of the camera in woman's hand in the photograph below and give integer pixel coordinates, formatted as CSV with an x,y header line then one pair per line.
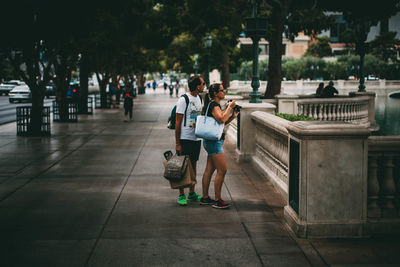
x,y
237,108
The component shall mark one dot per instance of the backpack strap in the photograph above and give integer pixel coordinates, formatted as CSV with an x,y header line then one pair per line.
x,y
187,104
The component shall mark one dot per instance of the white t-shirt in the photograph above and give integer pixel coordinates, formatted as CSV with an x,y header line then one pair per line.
x,y
193,110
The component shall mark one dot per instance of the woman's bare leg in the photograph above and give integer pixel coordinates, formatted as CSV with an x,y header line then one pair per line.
x,y
220,164
208,172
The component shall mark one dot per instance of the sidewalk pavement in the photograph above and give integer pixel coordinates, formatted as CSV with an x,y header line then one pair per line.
x,y
93,194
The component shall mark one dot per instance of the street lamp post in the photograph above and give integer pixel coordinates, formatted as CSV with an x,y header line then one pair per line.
x,y
208,43
256,27
196,65
246,69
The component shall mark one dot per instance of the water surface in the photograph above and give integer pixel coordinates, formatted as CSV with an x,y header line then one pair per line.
x,y
387,115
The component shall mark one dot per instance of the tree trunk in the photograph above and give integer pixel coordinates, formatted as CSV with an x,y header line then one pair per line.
x,y
84,85
62,84
103,81
225,68
36,122
141,83
274,75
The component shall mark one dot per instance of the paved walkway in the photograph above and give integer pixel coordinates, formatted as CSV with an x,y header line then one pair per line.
x,y
93,195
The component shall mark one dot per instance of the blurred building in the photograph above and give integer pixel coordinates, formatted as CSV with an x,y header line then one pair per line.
x,y
297,48
290,49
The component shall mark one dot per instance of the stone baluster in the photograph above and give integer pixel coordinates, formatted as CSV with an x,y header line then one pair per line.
x,y
373,186
339,111
321,113
300,109
351,111
334,111
388,187
347,112
344,112
356,113
329,112
315,113
359,111
309,110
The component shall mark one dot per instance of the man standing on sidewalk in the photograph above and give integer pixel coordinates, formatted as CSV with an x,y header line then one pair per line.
x,y
186,141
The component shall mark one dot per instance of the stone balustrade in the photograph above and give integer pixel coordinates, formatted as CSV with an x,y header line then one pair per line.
x,y
353,109
348,183
304,87
359,108
384,177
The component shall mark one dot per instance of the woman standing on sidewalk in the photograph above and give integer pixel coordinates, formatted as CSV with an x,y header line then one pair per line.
x,y
216,157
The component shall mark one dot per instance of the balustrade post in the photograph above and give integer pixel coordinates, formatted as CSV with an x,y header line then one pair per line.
x,y
315,109
388,187
328,112
321,114
371,107
246,128
301,109
351,105
329,190
373,187
339,112
334,111
346,112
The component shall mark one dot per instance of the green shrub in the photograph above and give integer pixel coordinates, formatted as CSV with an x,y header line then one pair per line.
x,y
294,117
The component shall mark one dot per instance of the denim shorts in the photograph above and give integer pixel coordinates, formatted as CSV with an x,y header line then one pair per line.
x,y
213,147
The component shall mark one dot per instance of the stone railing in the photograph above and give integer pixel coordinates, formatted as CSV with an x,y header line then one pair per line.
x,y
354,109
348,184
358,109
303,87
384,177
271,155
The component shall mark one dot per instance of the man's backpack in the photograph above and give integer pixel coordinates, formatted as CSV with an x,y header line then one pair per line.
x,y
172,117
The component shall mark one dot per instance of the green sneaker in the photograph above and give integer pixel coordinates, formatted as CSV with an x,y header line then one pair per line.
x,y
182,200
194,196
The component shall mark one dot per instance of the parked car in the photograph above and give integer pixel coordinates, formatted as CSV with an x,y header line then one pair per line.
x,y
50,90
73,91
20,93
6,87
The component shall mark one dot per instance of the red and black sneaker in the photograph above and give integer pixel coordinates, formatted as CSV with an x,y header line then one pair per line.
x,y
220,204
207,201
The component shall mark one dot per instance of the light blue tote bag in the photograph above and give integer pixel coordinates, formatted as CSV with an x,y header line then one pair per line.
x,y
208,128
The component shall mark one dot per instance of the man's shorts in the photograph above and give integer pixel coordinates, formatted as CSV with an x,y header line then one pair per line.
x,y
191,148
213,147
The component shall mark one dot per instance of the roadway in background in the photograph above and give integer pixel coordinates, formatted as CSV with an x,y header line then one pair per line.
x,y
8,111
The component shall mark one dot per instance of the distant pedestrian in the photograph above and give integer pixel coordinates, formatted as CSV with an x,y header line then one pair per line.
x,y
128,103
318,93
329,90
154,84
113,93
176,88
165,86
171,89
